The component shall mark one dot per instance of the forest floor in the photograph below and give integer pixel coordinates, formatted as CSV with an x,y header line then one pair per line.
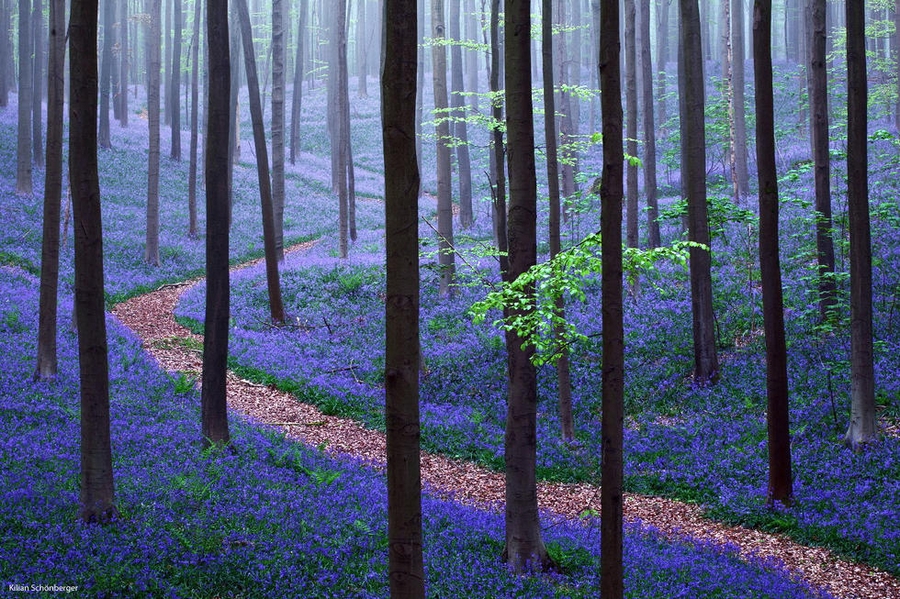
x,y
151,317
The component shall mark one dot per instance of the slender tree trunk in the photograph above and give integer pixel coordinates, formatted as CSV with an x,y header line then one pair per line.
x,y
402,349
123,63
37,95
738,98
460,130
24,184
173,107
166,61
151,247
818,104
631,125
341,134
777,416
420,84
566,122
861,430
446,258
613,376
362,50
213,407
46,350
650,188
5,52
662,43
297,93
498,189
97,496
195,122
524,545
706,364
471,56
278,125
106,60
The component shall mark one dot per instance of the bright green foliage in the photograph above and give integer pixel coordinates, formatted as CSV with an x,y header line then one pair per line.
x,y
529,302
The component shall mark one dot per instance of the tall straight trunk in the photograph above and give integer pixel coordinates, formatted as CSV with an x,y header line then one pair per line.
x,y
278,125
662,43
706,364
471,56
741,174
420,83
861,430
106,59
276,306
97,495
195,122
151,246
631,125
166,61
777,417
818,113
402,349
650,187
340,140
498,189
5,52
566,122
563,376
173,109
613,376
362,50
728,91
46,349
24,184
297,92
524,545
460,132
595,41
446,258
37,95
213,407
123,63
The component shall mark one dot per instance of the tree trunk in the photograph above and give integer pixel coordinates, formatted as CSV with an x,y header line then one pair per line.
x,y
498,188
631,126
861,430
341,129
278,126
37,95
46,350
151,247
777,416
297,93
818,103
173,107
662,43
402,349
5,52
123,63
471,56
460,130
24,184
97,496
106,59
276,306
362,50
420,84
166,61
612,425
706,365
737,78
524,545
446,258
213,408
195,123
650,188
566,123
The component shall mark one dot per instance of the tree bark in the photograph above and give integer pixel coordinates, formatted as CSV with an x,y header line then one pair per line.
x,y
402,349
278,125
37,22
650,186
460,129
777,416
631,126
420,84
174,105
341,129
123,63
297,92
46,350
24,183
276,306
524,545
861,430
498,189
5,53
662,43
195,123
691,82
213,408
613,376
446,257
97,495
106,60
362,51
151,246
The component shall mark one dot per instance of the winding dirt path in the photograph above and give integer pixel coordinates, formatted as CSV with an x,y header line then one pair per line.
x,y
151,317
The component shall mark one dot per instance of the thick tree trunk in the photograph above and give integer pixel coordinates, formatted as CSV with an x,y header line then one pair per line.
x,y
278,125
777,416
276,306
650,187
460,130
195,123
613,376
24,184
524,545
173,107
151,246
46,350
446,258
97,496
420,84
213,408
706,364
861,430
631,126
819,134
402,349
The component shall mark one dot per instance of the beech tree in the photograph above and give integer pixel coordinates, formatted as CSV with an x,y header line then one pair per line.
x,y
297,93
97,494
173,107
213,407
46,348
24,183
458,113
278,126
777,416
446,257
498,172
402,349
861,430
613,340
631,125
37,104
340,139
195,124
151,246
122,94
739,115
650,187
524,545
5,52
106,59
